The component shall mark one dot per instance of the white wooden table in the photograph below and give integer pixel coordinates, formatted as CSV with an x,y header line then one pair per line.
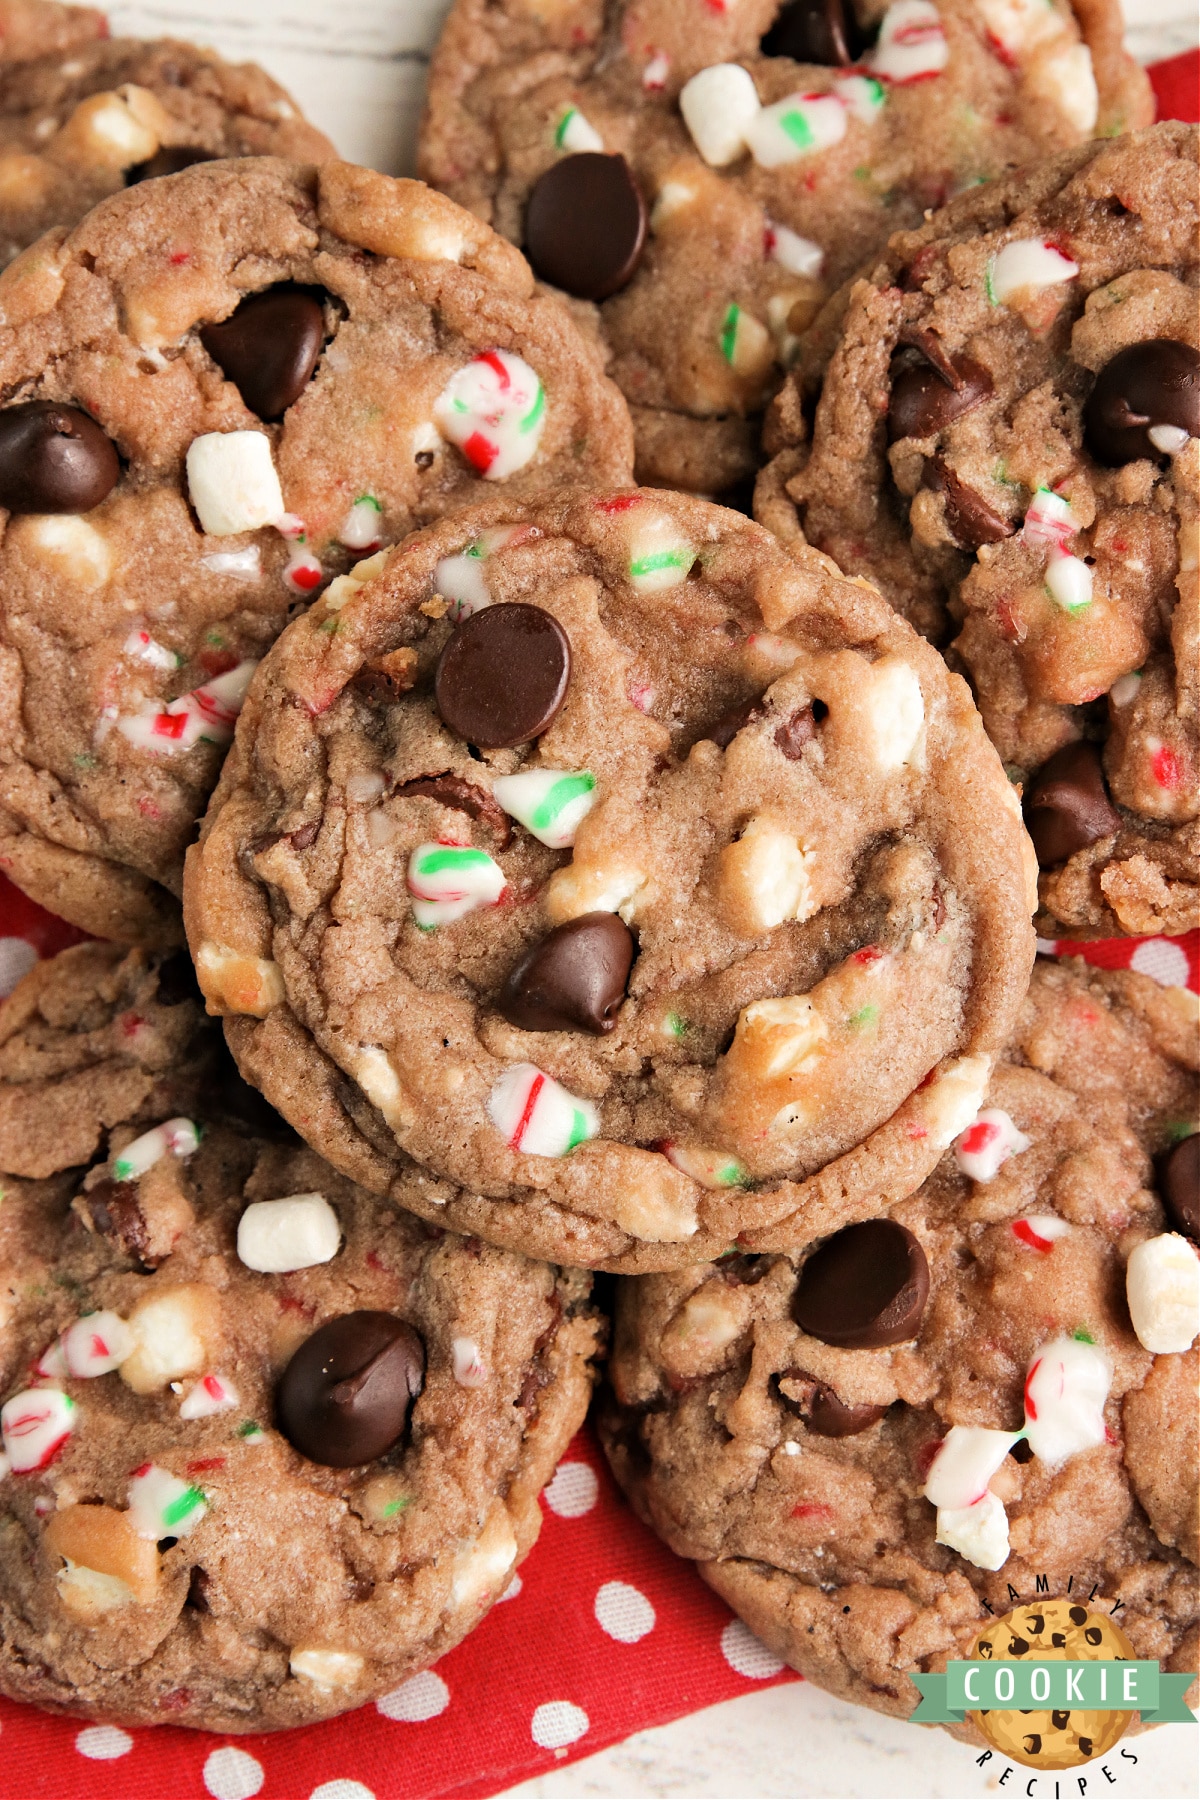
x,y
359,73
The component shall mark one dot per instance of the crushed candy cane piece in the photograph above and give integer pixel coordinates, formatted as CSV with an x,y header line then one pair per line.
x,y
139,643
1040,1231
493,409
719,105
551,803
1049,521
448,881
1026,266
360,529
470,1370
1069,583
798,255
34,1426
574,133
210,1395
967,1458
658,557
986,1145
1065,1391
460,578
655,73
1124,690
1162,1286
242,565
160,1505
93,1345
232,482
177,1137
298,1232
302,572
861,95
1017,25
911,44
710,1168
537,1117
207,714
798,126
979,1532
745,342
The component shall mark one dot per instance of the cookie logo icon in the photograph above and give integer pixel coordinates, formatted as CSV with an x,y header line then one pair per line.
x,y
1056,1631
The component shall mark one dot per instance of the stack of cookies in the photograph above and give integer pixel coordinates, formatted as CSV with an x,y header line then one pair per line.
x,y
584,875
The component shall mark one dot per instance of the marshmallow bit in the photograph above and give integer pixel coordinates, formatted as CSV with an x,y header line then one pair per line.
x,y
1040,1231
979,1532
448,881
360,529
1065,1391
493,409
982,1150
1162,1285
911,45
34,1426
1026,266
710,1168
327,1669
551,803
177,1137
537,1117
276,1236
798,255
967,1458
93,1345
160,1505
895,711
210,1395
1068,79
765,878
1069,583
861,95
798,126
574,133
232,482
719,105
470,1370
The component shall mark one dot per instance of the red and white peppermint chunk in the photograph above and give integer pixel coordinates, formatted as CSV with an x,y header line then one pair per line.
x,y
208,713
538,1117
470,1370
967,1458
493,409
1025,267
160,1505
1040,1231
1065,1391
93,1345
986,1145
210,1395
911,45
34,1426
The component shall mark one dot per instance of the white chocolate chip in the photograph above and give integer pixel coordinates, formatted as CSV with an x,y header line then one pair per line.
x,y
653,1201
1170,439
344,587
111,130
88,1594
781,1037
481,1569
953,1099
765,878
237,983
895,708
587,887
327,1669
232,482
1162,1285
378,1080
171,1334
719,105
1068,80
276,1236
979,1532
78,549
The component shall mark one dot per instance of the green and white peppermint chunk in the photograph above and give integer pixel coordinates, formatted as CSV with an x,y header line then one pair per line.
x,y
178,1137
658,557
574,133
160,1505
799,126
1069,583
460,578
551,803
448,881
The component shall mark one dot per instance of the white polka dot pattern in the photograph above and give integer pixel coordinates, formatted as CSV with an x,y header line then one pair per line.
x,y
16,959
1162,960
422,1697
231,1774
342,1789
103,1743
573,1491
557,1723
747,1654
624,1612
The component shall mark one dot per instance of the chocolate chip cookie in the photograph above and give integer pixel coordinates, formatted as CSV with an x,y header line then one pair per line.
x,y
985,1396
77,127
30,29
655,887
707,173
270,1445
1007,434
220,389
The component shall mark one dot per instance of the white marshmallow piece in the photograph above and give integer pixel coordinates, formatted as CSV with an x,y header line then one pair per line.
x,y
719,105
895,709
911,43
1026,266
276,1236
800,125
967,1458
33,1425
1162,1285
1065,1391
979,1532
232,482
550,803
982,1150
537,1117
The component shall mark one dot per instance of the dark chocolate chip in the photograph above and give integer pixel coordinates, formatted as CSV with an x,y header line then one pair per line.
x,y
1058,1639
462,796
1093,1636
1067,805
1078,1615
866,1286
54,459
923,401
1155,383
969,519
167,161
1017,1646
816,31
726,728
345,1396
1032,1743
1021,1451
503,675
585,225
798,729
177,981
573,979
111,1209
1179,1185
821,1409
1060,1720
269,347
1085,1745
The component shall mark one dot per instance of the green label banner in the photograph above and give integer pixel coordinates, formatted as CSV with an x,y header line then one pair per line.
x,y
1055,1686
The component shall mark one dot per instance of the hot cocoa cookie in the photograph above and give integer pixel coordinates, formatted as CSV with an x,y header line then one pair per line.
x,y
1007,433
220,389
77,127
30,29
864,1445
709,173
654,887
270,1445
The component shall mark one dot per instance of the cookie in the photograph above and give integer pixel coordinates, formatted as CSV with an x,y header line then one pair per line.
x,y
653,886
871,1447
30,29
222,388
1006,442
270,1445
767,151
75,128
